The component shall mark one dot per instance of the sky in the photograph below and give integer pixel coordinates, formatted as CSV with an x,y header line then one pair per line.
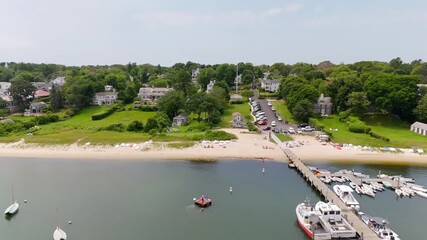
x,y
100,32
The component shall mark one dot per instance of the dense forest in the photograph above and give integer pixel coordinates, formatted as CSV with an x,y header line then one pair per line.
x,y
391,87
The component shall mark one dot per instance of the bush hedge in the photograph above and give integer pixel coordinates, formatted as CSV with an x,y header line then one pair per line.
x,y
215,135
148,108
378,136
116,127
316,124
101,115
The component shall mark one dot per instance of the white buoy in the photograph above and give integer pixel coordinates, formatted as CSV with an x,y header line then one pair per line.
x,y
25,201
194,199
263,170
231,189
69,222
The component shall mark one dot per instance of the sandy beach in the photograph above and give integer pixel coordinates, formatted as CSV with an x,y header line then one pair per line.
x,y
248,146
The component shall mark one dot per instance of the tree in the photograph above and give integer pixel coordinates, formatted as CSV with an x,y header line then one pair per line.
x,y
21,90
303,110
182,81
56,100
195,103
171,103
129,94
135,126
151,124
79,92
205,76
358,103
421,110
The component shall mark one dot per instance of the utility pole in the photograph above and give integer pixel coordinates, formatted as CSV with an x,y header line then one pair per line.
x,y
237,78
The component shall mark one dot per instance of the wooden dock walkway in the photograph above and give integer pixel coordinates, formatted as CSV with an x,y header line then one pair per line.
x,y
362,229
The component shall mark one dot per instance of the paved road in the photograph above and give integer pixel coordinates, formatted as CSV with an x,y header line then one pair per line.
x,y
271,115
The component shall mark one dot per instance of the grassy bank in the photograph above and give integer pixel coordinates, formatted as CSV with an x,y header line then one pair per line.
x,y
283,111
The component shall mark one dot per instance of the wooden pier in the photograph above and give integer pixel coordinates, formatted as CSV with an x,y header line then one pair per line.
x,y
362,229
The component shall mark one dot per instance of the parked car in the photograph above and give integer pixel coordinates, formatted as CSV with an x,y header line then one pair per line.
x,y
273,123
302,125
272,108
269,103
262,123
266,128
279,118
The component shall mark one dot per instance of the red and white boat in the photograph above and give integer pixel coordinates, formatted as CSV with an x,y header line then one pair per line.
x,y
203,201
309,221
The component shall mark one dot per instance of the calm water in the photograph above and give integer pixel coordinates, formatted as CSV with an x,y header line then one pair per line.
x,y
110,200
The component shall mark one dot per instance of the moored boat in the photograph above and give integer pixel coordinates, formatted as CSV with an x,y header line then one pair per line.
x,y
421,194
387,184
345,193
379,226
203,201
333,222
59,234
13,208
308,220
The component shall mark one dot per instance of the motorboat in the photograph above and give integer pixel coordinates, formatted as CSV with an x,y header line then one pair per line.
x,y
387,184
379,226
353,185
421,194
344,192
398,192
308,219
333,222
59,234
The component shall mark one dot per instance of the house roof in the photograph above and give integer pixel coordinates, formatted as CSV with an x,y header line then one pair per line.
x,y
236,96
38,104
265,80
100,94
237,114
41,93
181,116
419,125
58,81
4,87
41,85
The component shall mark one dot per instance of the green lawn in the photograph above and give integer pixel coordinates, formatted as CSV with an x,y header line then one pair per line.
x,y
283,111
111,138
284,137
244,109
397,131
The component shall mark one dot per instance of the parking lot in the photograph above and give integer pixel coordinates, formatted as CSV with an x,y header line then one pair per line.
x,y
281,126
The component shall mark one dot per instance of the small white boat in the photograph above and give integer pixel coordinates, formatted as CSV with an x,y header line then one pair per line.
x,y
353,185
379,226
59,234
421,194
418,188
387,184
358,190
410,192
12,209
398,192
344,192
368,191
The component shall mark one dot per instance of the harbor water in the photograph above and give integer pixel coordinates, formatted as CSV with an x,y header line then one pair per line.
x,y
112,200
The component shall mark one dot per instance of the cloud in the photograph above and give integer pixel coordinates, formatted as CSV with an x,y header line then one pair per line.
x,y
273,12
293,7
7,42
318,9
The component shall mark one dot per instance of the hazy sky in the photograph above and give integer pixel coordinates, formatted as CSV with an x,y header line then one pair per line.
x,y
82,32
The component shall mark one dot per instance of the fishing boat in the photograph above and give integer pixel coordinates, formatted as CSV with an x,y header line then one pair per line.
x,y
333,222
203,201
345,193
379,226
12,209
308,220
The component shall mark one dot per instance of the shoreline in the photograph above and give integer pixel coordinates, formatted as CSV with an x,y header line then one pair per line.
x,y
249,146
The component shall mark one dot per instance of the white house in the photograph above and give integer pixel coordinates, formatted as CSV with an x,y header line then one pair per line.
x,y
148,94
323,105
180,120
420,128
4,88
270,85
236,98
210,86
238,121
104,98
58,82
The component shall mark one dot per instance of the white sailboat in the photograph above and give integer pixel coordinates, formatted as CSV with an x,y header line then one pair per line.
x,y
12,209
59,234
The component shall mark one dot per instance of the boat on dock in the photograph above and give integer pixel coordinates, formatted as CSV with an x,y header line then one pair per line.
x,y
421,194
387,184
379,226
331,219
13,208
308,219
203,201
344,192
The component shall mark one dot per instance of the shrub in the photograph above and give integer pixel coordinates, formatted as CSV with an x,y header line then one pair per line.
x,y
215,135
376,135
42,120
53,118
135,126
358,127
101,115
117,127
148,108
29,125
316,124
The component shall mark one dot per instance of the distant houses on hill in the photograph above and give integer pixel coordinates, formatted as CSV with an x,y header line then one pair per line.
x,y
151,95
270,85
108,97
